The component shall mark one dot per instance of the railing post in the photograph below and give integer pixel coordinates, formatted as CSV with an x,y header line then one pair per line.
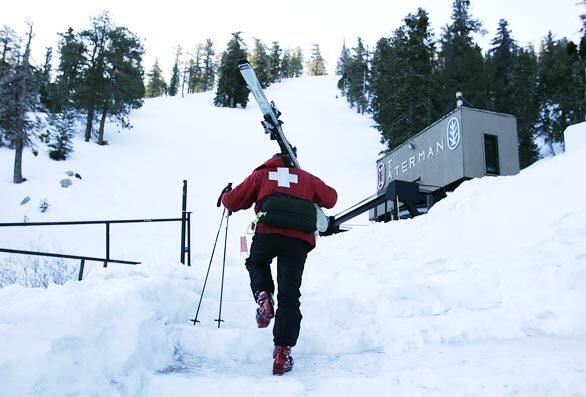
x,y
189,239
183,221
81,266
107,243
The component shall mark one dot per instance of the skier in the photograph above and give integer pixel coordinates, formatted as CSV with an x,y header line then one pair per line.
x,y
284,198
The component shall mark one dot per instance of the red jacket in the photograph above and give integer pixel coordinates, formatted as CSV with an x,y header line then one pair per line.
x,y
275,177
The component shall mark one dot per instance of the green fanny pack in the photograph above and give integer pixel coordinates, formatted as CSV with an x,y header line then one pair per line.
x,y
288,212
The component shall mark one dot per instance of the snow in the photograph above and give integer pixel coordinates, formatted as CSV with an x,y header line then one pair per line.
x,y
482,296
575,137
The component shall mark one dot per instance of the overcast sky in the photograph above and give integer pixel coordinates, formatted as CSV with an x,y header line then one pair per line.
x,y
165,24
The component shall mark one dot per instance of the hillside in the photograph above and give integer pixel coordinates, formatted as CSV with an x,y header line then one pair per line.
x,y
482,296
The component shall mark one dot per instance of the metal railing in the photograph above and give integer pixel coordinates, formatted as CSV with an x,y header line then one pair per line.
x,y
64,256
185,220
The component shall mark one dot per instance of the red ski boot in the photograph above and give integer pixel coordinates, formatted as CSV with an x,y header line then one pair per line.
x,y
283,360
266,309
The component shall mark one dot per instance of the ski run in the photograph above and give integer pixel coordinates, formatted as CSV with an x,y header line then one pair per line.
x,y
483,296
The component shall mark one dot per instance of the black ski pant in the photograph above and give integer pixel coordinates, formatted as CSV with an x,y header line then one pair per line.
x,y
291,254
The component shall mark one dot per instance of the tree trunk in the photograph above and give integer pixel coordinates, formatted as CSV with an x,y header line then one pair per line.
x,y
18,162
102,124
89,124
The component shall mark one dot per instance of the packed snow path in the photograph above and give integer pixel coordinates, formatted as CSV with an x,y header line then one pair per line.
x,y
483,296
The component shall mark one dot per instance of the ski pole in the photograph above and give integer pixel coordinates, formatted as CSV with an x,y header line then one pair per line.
x,y
219,319
195,320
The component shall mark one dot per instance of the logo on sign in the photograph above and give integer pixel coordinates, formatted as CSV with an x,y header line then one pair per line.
x,y
381,176
453,133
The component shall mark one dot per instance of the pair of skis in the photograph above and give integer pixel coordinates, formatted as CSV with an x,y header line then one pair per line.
x,y
272,126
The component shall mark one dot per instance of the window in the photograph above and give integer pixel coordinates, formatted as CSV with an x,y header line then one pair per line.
x,y
491,154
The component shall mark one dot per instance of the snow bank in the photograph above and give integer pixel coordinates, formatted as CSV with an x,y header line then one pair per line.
x,y
575,137
482,296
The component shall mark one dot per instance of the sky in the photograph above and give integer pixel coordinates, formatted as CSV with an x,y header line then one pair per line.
x,y
165,25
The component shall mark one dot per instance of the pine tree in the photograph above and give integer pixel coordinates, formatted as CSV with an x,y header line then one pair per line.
x,y
196,74
45,80
461,64
18,93
557,90
500,65
342,69
261,62
286,65
124,75
316,65
402,82
61,133
357,76
175,78
296,64
525,104
9,56
232,90
69,72
209,67
93,83
275,63
156,85
512,73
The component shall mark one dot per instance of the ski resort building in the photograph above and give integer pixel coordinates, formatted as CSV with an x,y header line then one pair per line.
x,y
466,143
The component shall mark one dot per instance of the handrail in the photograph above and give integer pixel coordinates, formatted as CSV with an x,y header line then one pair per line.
x,y
66,256
100,222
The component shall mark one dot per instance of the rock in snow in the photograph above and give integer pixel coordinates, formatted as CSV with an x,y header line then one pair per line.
x,y
65,183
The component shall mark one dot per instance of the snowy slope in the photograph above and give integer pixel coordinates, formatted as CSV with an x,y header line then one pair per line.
x,y
482,296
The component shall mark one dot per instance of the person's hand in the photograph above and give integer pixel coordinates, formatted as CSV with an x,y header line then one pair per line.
x,y
224,191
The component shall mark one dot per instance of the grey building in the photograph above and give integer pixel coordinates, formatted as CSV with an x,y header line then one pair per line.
x,y
467,143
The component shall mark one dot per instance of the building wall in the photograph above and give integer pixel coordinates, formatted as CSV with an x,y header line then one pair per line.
x,y
476,123
450,150
430,158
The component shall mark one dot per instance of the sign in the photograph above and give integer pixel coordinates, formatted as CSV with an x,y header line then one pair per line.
x,y
381,176
453,133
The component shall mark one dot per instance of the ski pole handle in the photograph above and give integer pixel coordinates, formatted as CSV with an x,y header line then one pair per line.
x,y
225,190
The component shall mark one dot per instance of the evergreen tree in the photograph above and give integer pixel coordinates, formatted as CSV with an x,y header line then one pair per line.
x,y
512,73
93,83
316,65
275,63
286,65
209,68
124,75
296,64
500,64
342,69
557,90
18,93
402,82
357,75
60,133
175,78
156,85
196,74
461,64
45,80
9,55
525,104
71,62
261,62
232,90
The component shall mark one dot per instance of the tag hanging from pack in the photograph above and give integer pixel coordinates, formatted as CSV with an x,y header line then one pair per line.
x,y
243,245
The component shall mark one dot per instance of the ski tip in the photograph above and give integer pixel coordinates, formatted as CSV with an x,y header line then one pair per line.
x,y
243,64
